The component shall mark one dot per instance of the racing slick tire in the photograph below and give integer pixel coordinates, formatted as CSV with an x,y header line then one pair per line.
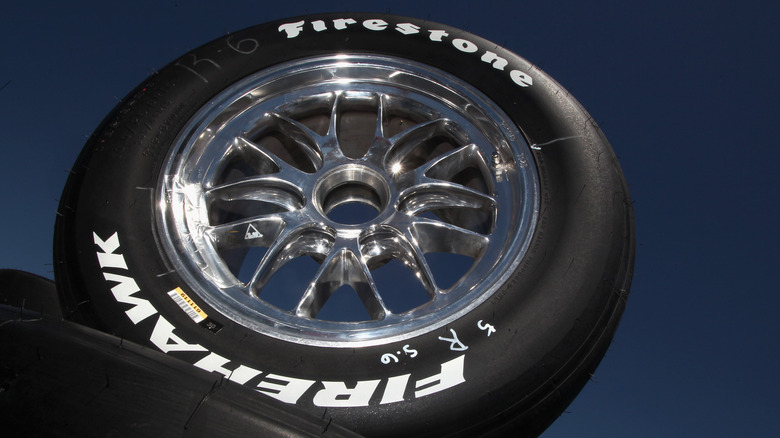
x,y
383,220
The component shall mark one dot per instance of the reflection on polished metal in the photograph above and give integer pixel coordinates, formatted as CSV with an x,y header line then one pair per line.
x,y
267,162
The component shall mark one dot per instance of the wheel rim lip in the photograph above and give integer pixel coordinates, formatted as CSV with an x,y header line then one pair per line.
x,y
222,294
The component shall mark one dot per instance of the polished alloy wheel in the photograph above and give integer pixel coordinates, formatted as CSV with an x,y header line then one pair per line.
x,y
347,200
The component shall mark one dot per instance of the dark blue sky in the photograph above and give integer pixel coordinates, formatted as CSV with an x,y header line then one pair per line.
x,y
686,92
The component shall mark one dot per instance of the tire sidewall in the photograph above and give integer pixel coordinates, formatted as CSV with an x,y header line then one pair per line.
x,y
559,299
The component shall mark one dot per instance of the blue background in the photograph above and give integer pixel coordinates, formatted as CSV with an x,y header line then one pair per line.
x,y
687,93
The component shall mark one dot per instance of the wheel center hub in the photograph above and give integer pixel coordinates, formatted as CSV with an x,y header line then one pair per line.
x,y
351,194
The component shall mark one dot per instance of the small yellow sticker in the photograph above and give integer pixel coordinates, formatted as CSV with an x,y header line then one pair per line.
x,y
185,302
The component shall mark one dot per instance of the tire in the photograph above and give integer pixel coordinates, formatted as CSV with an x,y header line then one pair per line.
x,y
380,219
60,379
29,291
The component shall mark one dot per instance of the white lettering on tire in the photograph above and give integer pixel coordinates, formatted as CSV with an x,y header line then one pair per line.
x,y
520,78
407,28
465,46
216,363
166,341
293,29
289,390
336,394
451,374
375,25
126,286
496,61
394,391
437,35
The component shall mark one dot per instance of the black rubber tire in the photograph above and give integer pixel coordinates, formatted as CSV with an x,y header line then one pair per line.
x,y
60,379
29,292
554,316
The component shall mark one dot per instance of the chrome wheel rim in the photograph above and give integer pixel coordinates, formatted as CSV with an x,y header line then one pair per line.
x,y
315,179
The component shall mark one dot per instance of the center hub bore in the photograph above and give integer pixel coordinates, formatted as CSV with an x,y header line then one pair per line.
x,y
351,194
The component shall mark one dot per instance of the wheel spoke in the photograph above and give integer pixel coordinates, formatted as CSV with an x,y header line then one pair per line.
x,y
273,186
218,156
449,165
385,243
266,189
329,142
269,163
438,195
307,140
380,145
421,143
286,139
435,236
342,267
246,233
294,241
381,116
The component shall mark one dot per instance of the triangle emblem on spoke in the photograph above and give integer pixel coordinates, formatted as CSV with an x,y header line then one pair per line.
x,y
252,233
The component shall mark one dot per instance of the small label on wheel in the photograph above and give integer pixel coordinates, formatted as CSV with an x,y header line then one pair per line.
x,y
187,305
193,310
